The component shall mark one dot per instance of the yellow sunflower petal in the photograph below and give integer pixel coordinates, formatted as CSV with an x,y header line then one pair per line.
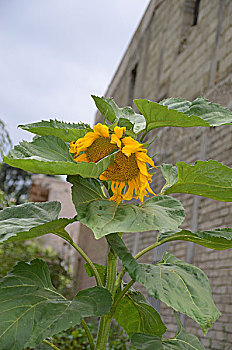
x,y
143,157
103,177
131,146
130,191
119,131
116,198
81,158
128,141
72,147
115,140
101,130
117,188
142,167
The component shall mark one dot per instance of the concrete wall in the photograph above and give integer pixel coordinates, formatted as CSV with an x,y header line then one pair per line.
x,y
169,56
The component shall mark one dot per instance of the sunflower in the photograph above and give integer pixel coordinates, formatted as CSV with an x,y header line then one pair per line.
x,y
128,172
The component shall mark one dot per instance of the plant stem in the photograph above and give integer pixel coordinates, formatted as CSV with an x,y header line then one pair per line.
x,y
103,332
104,326
50,344
145,250
89,335
105,322
111,271
87,259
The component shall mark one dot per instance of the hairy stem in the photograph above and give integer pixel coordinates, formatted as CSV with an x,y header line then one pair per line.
x,y
89,335
111,271
145,250
104,326
50,344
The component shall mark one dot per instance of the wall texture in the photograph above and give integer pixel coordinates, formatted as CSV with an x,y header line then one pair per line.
x,y
183,48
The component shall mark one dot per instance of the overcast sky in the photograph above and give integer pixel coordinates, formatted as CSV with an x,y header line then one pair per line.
x,y
56,53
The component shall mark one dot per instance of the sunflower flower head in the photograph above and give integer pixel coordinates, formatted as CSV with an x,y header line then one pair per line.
x,y
128,172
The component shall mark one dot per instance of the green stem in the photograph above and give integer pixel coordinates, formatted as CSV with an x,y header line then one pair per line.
x,y
50,344
89,335
111,271
87,259
104,326
103,332
145,250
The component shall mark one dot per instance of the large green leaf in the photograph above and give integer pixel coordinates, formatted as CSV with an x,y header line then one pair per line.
x,y
212,113
182,340
135,315
31,220
103,216
218,239
209,179
181,286
157,116
50,155
32,309
146,342
66,131
113,113
178,112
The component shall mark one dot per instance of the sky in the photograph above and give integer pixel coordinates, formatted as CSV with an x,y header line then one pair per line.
x,y
56,53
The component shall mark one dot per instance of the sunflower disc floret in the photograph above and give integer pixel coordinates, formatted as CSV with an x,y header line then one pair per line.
x,y
128,173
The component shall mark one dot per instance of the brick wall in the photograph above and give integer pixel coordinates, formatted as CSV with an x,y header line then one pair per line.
x,y
168,56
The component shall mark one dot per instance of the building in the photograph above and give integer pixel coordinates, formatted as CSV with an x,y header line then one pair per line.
x,y
51,188
183,48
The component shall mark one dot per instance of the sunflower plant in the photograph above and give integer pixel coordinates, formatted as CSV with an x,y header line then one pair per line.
x,y
111,170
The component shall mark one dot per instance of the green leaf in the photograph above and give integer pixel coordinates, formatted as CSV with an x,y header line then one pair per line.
x,y
157,116
85,190
103,216
146,342
105,108
135,315
50,155
32,309
101,269
212,113
112,112
218,239
181,286
66,131
177,112
170,174
32,220
183,340
209,179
